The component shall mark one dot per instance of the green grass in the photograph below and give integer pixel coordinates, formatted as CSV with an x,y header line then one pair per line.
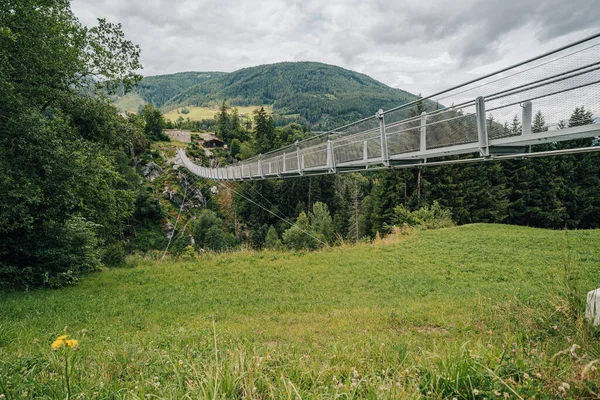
x,y
469,312
200,113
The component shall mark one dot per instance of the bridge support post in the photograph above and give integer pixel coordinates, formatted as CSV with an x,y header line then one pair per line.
x,y
277,168
330,156
284,168
484,148
365,151
527,118
298,159
423,142
260,167
385,158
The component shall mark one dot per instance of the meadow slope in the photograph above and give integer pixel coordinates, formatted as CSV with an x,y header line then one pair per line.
x,y
478,311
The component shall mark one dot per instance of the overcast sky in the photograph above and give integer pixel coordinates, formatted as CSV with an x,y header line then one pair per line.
x,y
419,46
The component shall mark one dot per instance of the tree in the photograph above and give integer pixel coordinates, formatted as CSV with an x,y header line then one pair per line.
x,y
154,123
321,222
235,147
263,130
272,240
301,236
223,126
66,190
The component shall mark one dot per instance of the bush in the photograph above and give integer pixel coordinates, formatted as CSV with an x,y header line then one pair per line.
x,y
430,217
272,240
301,236
61,253
209,234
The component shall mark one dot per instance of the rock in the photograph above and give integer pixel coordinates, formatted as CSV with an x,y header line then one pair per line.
x,y
151,171
592,309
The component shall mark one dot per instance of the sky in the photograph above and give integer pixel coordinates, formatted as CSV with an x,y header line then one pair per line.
x,y
418,46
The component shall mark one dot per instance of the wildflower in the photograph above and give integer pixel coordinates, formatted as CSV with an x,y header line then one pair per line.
x,y
538,375
489,346
2,397
475,392
62,341
555,327
566,386
525,375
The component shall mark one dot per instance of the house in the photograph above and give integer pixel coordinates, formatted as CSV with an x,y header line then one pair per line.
x,y
180,135
211,141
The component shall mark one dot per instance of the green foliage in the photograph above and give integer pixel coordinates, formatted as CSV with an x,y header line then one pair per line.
x,y
65,177
154,123
301,236
160,89
272,240
264,133
321,222
430,217
208,232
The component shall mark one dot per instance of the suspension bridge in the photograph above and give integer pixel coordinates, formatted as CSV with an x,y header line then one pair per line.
x,y
488,118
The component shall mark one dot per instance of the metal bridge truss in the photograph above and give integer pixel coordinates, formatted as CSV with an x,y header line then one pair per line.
x,y
484,119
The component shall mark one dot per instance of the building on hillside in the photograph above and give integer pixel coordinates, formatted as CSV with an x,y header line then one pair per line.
x,y
180,135
211,141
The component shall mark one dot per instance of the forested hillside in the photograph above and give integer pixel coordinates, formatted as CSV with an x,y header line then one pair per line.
x,y
320,95
159,89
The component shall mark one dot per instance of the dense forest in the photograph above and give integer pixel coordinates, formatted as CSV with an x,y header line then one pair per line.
x,y
82,186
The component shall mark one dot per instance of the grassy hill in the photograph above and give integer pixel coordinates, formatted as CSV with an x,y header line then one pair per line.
x,y
200,113
471,312
314,93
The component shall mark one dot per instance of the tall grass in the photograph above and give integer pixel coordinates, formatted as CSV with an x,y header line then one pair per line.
x,y
481,311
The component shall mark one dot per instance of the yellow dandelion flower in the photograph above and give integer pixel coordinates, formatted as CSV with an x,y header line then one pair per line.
x,y
57,344
72,343
62,337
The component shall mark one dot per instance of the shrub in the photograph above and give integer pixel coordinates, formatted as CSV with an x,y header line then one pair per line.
x,y
430,217
209,234
301,236
272,240
62,252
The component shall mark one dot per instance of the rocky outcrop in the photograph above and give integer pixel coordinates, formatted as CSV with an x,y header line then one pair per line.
x,y
151,171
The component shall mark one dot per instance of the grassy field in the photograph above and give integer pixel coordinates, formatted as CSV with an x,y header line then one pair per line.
x,y
473,312
200,113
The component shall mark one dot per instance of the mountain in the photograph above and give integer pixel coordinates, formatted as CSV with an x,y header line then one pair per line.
x,y
161,88
318,94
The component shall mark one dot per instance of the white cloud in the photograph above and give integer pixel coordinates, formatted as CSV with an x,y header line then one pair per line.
x,y
417,46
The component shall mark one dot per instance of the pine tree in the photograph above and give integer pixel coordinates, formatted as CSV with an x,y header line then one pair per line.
x,y
223,125
264,132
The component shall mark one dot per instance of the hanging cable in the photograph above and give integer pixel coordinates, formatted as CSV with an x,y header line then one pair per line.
x,y
272,213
